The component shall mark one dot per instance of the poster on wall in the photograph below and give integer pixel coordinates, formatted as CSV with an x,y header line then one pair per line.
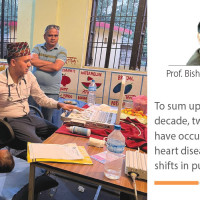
x,y
75,83
131,87
85,78
69,83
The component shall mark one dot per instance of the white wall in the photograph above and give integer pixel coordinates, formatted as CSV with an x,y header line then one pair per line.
x,y
172,39
174,28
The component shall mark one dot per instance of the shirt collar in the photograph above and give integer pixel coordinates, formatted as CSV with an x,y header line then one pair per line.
x,y
44,47
10,80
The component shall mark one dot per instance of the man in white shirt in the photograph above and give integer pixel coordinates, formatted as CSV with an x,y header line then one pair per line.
x,y
17,83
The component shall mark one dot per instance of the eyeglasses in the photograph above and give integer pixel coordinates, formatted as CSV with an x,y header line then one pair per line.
x,y
52,26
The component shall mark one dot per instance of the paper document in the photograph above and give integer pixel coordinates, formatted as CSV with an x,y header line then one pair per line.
x,y
54,151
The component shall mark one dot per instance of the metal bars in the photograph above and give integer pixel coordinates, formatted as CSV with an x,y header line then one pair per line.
x,y
110,35
91,33
2,26
8,29
117,37
139,36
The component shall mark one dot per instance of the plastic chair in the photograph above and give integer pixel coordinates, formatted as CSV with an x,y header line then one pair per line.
x,y
36,111
7,135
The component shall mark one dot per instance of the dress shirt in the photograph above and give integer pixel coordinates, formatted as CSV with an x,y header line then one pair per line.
x,y
19,93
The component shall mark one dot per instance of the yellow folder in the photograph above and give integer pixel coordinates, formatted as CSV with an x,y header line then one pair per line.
x,y
86,160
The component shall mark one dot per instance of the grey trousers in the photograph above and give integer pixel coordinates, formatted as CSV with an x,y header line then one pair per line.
x,y
30,128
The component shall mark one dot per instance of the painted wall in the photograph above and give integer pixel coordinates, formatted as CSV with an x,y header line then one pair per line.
x,y
25,21
70,15
75,24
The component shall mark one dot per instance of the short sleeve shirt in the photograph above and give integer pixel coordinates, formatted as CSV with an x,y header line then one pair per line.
x,y
49,81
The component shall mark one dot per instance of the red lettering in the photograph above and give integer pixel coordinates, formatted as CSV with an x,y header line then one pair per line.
x,y
82,98
129,78
119,77
85,92
63,89
91,73
67,96
114,103
72,60
129,96
68,70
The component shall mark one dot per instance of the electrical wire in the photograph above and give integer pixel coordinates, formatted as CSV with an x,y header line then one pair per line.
x,y
134,176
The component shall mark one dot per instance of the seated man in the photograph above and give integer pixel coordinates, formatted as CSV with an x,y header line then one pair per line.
x,y
17,83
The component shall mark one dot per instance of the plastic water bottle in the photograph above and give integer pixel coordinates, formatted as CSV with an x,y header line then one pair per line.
x,y
91,95
114,157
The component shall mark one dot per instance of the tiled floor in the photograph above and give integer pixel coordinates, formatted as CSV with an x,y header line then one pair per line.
x,y
72,190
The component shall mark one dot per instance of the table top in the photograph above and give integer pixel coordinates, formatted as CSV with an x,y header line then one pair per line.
x,y
92,172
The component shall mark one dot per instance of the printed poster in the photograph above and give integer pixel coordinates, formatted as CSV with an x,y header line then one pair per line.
x,y
132,87
69,80
86,77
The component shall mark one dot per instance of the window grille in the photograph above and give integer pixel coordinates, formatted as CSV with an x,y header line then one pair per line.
x,y
8,9
117,37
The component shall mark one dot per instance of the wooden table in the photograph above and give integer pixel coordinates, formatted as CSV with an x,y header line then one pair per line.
x,y
86,173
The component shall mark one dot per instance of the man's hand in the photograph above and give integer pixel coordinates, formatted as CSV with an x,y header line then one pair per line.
x,y
44,65
68,107
36,62
34,56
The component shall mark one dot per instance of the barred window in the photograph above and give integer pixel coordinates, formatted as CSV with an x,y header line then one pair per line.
x,y
118,36
8,14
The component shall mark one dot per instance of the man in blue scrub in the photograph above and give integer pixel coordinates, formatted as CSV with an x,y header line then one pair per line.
x,y
48,59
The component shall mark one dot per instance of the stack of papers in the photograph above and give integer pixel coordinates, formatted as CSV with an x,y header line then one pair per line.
x,y
67,153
